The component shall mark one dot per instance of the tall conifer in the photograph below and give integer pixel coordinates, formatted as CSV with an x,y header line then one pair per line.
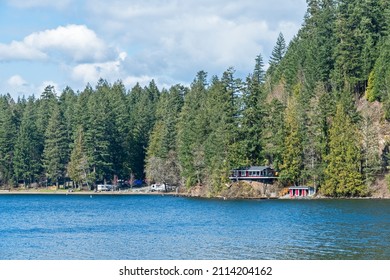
x,y
342,174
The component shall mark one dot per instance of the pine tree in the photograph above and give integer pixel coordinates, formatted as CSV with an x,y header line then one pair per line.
x,y
163,135
97,138
8,135
27,159
316,145
218,138
342,176
253,115
379,81
78,167
55,148
358,28
278,51
119,129
292,166
192,130
43,108
274,133
68,102
162,144
142,106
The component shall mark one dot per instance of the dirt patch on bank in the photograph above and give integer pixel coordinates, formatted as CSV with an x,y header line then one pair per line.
x,y
238,190
380,189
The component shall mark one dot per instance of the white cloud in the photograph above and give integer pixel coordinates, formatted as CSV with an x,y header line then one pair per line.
x,y
16,81
76,42
39,3
143,80
165,40
173,38
92,72
20,51
16,85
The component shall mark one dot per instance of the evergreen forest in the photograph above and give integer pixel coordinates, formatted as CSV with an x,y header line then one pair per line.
x,y
319,115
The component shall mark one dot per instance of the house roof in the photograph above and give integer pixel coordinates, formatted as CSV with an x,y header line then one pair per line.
x,y
253,168
300,188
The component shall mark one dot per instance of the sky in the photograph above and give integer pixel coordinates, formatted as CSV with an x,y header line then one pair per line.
x,y
73,43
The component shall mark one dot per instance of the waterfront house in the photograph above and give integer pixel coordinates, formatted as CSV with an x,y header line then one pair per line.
x,y
253,173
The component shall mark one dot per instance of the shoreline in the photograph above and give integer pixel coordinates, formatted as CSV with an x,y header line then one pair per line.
x,y
174,194
46,192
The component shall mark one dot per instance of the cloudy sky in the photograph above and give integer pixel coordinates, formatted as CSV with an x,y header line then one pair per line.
x,y
72,43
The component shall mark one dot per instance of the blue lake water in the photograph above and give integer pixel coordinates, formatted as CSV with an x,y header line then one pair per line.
x,y
163,227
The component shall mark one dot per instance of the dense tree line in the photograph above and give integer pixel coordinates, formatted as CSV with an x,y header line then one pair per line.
x,y
300,116
90,136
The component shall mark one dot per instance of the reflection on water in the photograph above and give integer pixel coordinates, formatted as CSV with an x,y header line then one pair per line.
x,y
155,227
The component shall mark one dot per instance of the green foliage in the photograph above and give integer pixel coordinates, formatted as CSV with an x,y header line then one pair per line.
x,y
286,117
162,164
342,176
55,148
222,107
276,58
379,82
27,159
274,133
253,116
370,94
192,130
164,133
293,152
359,26
79,166
142,106
278,51
8,135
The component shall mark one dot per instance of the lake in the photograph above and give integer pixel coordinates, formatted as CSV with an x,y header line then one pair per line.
x,y
140,227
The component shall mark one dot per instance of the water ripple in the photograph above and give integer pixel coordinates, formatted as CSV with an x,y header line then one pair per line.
x,y
148,227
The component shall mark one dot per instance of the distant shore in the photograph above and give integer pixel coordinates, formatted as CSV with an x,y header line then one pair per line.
x,y
156,193
65,192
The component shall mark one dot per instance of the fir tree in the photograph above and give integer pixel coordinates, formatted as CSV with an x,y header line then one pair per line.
x,y
274,133
142,106
292,155
342,176
27,160
192,130
162,144
253,115
8,135
55,148
78,167
279,51
68,102
97,136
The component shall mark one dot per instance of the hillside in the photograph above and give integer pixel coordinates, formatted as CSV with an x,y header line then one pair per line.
x,y
319,115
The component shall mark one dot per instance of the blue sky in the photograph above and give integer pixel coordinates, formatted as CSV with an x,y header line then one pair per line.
x,y
72,43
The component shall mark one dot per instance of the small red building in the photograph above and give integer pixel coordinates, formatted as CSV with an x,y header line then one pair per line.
x,y
301,191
